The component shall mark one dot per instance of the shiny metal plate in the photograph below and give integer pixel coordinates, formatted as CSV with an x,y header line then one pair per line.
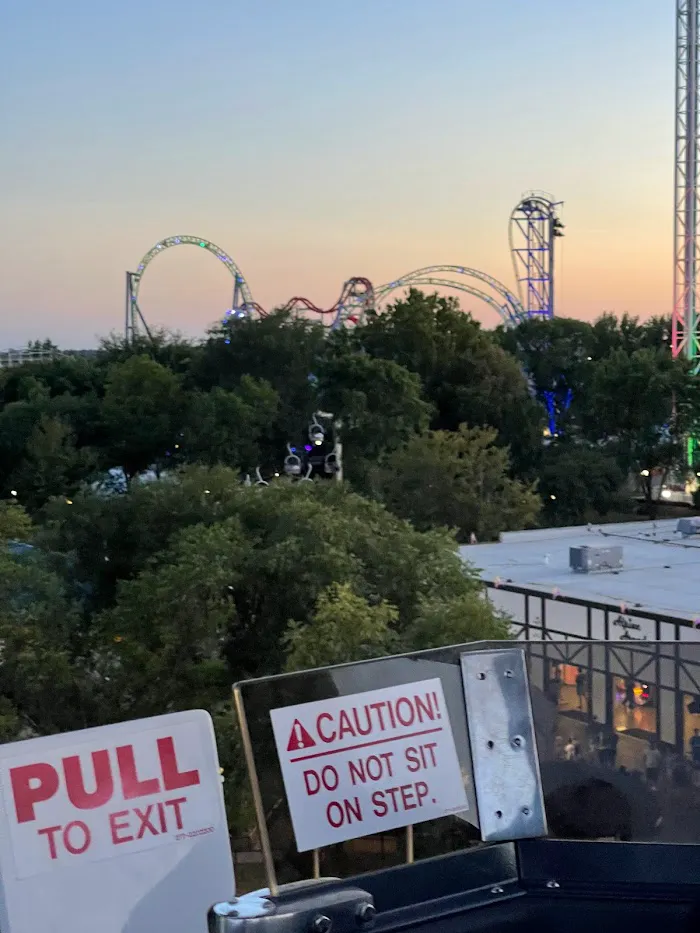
x,y
503,747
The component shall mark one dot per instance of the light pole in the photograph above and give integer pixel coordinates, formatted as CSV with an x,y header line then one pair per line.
x,y
336,455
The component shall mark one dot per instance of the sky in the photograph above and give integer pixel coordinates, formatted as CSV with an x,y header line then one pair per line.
x,y
315,140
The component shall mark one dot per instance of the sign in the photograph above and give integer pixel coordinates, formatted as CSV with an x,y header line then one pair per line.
x,y
368,762
111,825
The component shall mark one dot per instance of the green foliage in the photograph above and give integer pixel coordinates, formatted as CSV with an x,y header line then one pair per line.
x,y
458,479
190,583
161,597
142,410
580,484
229,427
15,523
466,376
380,402
52,464
343,627
455,621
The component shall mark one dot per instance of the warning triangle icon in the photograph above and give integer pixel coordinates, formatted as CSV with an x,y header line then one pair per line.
x,y
299,738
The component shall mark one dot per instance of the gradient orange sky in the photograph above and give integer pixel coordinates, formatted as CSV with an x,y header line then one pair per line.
x,y
318,140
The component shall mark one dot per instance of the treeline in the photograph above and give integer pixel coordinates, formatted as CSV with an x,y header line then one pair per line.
x,y
497,430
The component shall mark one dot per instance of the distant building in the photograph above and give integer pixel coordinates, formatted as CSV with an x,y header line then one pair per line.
x,y
659,572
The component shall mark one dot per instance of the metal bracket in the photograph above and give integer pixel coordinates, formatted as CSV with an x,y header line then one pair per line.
x,y
314,906
503,746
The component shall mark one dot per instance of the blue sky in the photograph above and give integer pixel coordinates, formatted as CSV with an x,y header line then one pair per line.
x,y
319,140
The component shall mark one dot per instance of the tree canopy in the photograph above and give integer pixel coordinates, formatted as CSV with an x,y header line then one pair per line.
x,y
153,548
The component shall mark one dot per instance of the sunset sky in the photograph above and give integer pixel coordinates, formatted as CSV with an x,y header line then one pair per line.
x,y
315,140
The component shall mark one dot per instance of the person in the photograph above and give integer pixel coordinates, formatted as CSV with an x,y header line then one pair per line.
x,y
580,687
608,749
570,750
652,764
630,701
695,748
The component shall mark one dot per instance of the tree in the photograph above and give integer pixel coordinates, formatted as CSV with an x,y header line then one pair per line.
x,y
142,411
627,333
455,620
343,627
279,350
45,680
641,406
581,484
168,625
229,427
457,479
169,348
203,577
556,354
52,465
378,402
466,376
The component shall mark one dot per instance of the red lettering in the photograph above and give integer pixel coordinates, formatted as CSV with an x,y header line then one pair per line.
x,y
76,849
322,718
335,814
50,833
379,804
378,707
115,827
345,726
175,804
410,715
145,817
173,779
75,782
400,797
161,817
131,784
32,784
311,788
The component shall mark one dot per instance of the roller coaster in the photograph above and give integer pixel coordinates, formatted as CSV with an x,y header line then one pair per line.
x,y
534,225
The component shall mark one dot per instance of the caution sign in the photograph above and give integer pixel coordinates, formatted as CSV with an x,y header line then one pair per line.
x,y
366,763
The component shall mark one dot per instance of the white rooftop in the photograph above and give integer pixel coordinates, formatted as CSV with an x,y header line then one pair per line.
x,y
661,568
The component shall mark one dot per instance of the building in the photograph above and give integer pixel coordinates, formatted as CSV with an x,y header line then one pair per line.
x,y
646,601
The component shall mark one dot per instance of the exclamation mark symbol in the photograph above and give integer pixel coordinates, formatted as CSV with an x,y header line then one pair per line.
x,y
299,738
437,704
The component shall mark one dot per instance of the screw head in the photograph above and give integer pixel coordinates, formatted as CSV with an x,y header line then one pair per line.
x,y
321,924
366,913
553,884
525,811
517,742
497,890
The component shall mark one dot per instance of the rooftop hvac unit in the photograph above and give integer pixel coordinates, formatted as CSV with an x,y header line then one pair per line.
x,y
587,559
688,526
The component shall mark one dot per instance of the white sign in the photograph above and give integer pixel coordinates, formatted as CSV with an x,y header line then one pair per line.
x,y
121,829
367,763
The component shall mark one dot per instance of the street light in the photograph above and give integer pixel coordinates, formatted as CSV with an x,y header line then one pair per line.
x,y
334,460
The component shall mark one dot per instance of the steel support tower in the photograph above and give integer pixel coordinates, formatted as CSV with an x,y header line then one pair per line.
x,y
685,323
534,227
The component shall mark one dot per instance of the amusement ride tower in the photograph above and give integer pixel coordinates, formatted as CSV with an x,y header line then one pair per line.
x,y
685,322
534,227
